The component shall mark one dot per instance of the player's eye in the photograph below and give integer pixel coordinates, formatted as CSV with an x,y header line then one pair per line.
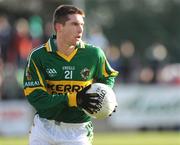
x,y
75,24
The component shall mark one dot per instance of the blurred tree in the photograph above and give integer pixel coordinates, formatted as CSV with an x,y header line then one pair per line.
x,y
141,21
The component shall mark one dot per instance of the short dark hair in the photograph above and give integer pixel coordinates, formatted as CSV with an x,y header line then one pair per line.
x,y
61,13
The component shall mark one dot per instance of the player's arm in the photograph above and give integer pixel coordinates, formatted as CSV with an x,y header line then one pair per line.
x,y
36,91
105,73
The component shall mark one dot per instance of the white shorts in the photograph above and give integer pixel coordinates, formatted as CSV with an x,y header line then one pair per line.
x,y
49,132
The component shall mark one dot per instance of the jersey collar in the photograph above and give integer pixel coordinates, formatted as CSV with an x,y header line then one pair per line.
x,y
51,46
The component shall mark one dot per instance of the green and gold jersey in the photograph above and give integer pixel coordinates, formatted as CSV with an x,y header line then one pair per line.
x,y
49,76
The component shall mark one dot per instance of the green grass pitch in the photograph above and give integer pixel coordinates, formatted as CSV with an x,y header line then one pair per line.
x,y
129,138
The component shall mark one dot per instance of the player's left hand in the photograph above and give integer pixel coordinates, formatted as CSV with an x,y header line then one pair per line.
x,y
88,101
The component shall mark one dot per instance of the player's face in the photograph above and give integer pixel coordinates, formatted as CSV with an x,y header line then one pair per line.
x,y
73,29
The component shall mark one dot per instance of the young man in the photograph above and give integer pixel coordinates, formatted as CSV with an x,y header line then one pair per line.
x,y
56,79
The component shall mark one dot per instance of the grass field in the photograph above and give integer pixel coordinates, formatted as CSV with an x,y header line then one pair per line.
x,y
133,138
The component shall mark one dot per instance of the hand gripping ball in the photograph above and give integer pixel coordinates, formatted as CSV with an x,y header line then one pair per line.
x,y
107,98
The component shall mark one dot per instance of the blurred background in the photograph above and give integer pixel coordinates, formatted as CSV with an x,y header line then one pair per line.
x,y
141,39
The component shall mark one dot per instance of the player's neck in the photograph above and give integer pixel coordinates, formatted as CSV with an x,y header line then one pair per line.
x,y
64,47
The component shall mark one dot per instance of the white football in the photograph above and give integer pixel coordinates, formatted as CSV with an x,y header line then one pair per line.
x,y
108,98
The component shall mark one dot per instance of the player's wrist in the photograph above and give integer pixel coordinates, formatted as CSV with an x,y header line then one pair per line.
x,y
72,101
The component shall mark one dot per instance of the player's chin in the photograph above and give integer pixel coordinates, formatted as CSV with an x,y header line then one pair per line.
x,y
77,41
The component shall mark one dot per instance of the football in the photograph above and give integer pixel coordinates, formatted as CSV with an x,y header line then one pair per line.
x,y
108,99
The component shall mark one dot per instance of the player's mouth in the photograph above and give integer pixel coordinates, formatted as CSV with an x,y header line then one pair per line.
x,y
78,37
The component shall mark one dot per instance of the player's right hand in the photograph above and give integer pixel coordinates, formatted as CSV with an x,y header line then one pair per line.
x,y
88,101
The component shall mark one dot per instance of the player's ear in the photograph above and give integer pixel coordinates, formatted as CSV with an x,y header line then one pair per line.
x,y
58,27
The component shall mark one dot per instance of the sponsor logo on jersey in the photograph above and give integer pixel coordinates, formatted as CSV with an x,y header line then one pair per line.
x,y
68,67
64,88
85,73
51,72
32,84
61,87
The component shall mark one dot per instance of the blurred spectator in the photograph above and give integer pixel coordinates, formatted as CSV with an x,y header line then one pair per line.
x,y
5,36
129,64
10,87
146,75
113,55
170,74
156,55
48,29
22,42
98,38
36,30
1,76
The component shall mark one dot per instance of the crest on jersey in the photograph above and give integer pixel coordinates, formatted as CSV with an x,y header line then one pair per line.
x,y
85,73
28,74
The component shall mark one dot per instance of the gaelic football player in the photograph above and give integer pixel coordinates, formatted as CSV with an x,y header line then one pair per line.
x,y
56,78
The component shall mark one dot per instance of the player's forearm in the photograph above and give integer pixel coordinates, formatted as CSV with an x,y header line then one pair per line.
x,y
108,81
44,102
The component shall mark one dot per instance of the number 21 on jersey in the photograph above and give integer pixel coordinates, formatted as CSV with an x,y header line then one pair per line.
x,y
68,74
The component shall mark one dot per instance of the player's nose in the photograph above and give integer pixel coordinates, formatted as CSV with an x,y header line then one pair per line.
x,y
80,29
